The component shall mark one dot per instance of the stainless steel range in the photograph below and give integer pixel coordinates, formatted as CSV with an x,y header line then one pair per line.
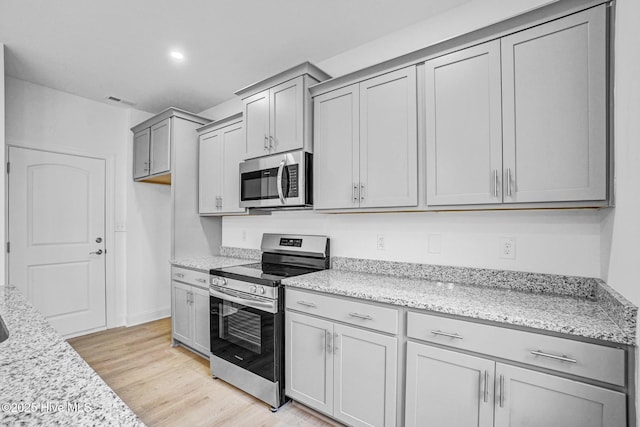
x,y
247,314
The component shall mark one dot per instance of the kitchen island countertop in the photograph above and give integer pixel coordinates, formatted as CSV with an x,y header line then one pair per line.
x,y
44,381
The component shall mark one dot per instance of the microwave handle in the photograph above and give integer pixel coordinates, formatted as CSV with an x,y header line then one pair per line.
x,y
279,180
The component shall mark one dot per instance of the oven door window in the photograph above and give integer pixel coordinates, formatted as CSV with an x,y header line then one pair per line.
x,y
243,336
263,184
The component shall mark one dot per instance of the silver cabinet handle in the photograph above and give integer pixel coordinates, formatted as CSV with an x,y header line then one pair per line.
x,y
354,193
266,142
502,391
361,316
447,334
307,304
98,252
279,180
272,142
190,298
495,183
562,358
509,192
180,275
486,386
335,341
361,192
329,342
201,280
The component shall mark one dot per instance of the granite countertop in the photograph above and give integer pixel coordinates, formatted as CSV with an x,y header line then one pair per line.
x,y
206,263
44,381
571,315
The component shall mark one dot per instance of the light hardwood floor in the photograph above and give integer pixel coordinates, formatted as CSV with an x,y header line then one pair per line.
x,y
168,386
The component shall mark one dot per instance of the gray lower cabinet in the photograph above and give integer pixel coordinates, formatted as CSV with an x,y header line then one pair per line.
x,y
190,311
346,372
446,387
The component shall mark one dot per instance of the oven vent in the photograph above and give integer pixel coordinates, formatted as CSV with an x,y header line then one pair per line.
x,y
116,100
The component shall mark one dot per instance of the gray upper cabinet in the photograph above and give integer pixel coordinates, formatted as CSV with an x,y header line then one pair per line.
x,y
221,150
464,126
366,150
277,111
521,119
154,140
554,106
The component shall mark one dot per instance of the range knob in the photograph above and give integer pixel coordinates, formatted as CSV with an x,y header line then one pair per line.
x,y
261,290
253,289
219,281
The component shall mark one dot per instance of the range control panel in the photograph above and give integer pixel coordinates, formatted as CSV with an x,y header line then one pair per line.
x,y
296,243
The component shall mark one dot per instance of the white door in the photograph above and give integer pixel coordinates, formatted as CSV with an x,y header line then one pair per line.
x,y
201,321
232,155
256,122
56,233
181,318
209,173
160,147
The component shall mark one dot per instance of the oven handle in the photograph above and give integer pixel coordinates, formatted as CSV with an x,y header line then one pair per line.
x,y
279,180
248,300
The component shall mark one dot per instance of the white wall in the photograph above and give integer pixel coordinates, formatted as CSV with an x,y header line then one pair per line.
x,y
226,109
621,227
44,118
148,242
559,242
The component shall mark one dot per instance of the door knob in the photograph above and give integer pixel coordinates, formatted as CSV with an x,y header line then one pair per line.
x,y
98,252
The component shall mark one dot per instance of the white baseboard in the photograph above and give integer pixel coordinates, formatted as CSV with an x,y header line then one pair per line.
x,y
148,316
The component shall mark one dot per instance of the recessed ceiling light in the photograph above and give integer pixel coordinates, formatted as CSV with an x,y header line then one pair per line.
x,y
178,56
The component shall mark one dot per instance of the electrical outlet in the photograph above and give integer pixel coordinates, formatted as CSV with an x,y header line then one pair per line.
x,y
507,248
380,242
120,226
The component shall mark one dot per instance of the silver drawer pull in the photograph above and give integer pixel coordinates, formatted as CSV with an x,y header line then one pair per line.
x,y
562,358
307,304
201,280
447,334
361,316
179,275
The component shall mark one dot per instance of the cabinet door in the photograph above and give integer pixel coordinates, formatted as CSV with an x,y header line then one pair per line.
x,y
287,115
529,398
232,155
209,174
447,388
141,142
336,149
365,375
256,121
200,307
464,126
554,107
309,361
181,313
389,140
161,147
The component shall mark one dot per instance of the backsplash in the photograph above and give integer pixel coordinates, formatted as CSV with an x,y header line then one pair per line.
x,y
243,253
582,287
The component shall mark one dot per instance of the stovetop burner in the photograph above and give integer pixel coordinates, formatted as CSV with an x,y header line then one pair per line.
x,y
262,273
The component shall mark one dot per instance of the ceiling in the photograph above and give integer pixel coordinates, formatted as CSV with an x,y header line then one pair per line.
x,y
121,48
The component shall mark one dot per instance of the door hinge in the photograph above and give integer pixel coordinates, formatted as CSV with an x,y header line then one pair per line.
x,y
8,167
8,247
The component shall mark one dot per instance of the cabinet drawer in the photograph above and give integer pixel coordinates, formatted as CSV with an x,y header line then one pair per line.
x,y
195,278
370,316
573,357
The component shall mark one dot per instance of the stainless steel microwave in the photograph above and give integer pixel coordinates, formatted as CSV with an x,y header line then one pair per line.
x,y
277,181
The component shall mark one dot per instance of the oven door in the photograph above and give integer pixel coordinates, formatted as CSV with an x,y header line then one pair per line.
x,y
275,181
244,329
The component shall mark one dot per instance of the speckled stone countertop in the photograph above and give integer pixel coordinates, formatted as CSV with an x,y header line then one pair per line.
x,y
206,263
571,315
44,381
